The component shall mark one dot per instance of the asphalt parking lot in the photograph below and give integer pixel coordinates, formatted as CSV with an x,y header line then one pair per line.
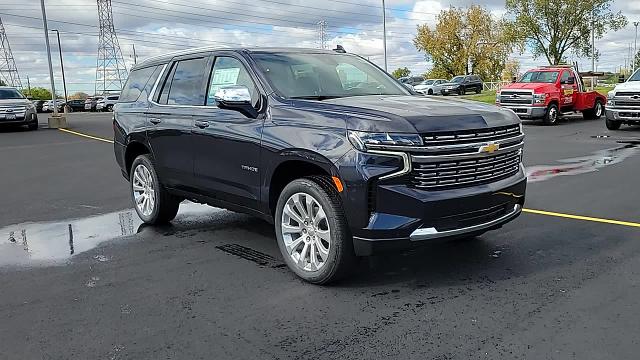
x,y
560,282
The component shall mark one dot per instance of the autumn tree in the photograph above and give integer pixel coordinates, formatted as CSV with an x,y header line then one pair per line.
x,y
79,96
466,41
401,72
511,70
553,27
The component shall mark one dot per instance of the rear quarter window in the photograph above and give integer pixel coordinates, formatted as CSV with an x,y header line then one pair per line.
x,y
139,82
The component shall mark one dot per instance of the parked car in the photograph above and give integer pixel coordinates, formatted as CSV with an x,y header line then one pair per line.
x,y
75,105
430,86
342,170
15,109
91,103
623,103
546,92
48,106
107,103
38,104
461,84
411,80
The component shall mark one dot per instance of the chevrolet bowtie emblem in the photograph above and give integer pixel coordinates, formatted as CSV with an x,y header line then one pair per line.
x,y
490,148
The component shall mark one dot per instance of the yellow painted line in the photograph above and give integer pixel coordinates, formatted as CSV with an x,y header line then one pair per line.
x,y
87,136
583,218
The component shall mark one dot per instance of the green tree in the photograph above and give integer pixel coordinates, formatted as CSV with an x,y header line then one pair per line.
x,y
401,72
553,27
466,41
39,93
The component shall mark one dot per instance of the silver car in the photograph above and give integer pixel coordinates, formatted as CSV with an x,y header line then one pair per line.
x,y
430,86
15,109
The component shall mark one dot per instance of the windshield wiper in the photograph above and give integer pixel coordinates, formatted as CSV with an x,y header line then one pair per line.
x,y
316,97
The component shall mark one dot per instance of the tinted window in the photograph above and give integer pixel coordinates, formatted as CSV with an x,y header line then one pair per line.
x,y
228,71
565,77
113,97
186,86
10,94
457,79
138,82
540,77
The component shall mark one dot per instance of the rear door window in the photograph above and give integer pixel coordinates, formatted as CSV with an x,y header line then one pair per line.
x,y
184,86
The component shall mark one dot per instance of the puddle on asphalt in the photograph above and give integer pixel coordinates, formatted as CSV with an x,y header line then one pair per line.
x,y
581,165
53,242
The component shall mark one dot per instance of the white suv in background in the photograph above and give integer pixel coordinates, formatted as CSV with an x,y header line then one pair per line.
x,y
107,103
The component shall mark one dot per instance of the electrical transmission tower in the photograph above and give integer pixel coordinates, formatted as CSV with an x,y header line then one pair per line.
x,y
111,71
8,70
322,34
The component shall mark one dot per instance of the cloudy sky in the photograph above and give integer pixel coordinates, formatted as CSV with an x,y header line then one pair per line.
x,y
160,26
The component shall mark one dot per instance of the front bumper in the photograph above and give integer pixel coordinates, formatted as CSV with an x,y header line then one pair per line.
x,y
628,116
446,91
19,118
527,112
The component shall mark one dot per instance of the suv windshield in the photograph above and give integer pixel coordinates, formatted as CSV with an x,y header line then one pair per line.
x,y
635,77
540,77
10,94
457,79
325,76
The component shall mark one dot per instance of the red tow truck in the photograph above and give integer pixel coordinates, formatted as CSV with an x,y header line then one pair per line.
x,y
548,92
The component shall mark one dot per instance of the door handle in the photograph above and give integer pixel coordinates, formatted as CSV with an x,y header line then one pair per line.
x,y
155,121
201,124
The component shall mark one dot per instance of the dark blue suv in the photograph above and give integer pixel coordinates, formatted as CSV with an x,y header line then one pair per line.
x,y
341,157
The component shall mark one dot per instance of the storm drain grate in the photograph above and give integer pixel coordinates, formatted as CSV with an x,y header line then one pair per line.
x,y
246,253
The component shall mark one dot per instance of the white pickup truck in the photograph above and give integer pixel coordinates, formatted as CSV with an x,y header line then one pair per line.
x,y
623,103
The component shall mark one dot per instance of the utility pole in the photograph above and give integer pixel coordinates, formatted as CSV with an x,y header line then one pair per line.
x,y
135,57
384,34
635,47
55,121
64,81
593,46
28,86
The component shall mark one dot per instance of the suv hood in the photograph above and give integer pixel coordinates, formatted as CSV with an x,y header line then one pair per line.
x,y
411,114
629,85
15,102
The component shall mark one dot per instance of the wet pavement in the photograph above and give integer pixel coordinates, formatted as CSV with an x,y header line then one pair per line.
x,y
212,285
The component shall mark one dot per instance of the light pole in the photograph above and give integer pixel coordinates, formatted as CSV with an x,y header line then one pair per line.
x,y
635,47
64,81
384,34
55,121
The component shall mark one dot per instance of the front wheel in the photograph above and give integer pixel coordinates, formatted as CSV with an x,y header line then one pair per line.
x,y
152,201
613,125
312,230
430,92
109,108
552,114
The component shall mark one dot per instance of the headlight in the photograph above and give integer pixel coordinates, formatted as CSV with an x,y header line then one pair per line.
x,y
364,140
497,96
540,98
610,97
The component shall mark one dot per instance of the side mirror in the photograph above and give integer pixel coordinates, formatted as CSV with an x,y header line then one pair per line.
x,y
236,97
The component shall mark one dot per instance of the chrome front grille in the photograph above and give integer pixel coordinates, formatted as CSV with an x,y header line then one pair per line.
x,y
15,109
466,171
511,97
471,136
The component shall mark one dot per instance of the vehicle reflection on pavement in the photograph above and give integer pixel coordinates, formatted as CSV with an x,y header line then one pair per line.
x,y
53,242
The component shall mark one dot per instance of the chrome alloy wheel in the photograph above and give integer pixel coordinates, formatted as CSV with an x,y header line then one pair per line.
x,y
144,193
306,232
553,115
599,110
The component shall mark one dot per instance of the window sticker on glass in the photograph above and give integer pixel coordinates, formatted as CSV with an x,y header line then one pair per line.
x,y
224,77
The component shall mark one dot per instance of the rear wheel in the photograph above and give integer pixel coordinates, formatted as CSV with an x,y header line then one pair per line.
x,y
430,92
613,125
151,200
312,230
595,113
552,114
478,89
109,108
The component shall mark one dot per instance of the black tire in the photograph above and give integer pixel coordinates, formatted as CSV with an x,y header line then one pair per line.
x,y
551,115
340,259
430,92
109,108
462,91
595,113
33,125
166,205
613,125
478,89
